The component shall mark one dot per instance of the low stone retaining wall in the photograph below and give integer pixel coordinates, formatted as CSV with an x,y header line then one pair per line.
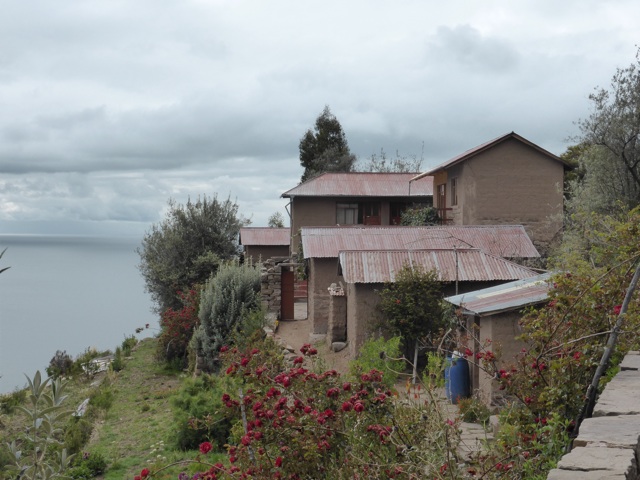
x,y
608,446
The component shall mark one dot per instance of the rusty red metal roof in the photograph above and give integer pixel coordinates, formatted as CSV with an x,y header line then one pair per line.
x,y
504,298
507,241
465,265
363,184
486,146
265,236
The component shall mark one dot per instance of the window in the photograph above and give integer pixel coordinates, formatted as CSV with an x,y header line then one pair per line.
x,y
454,191
347,213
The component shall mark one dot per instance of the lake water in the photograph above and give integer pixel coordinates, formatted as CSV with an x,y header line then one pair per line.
x,y
66,293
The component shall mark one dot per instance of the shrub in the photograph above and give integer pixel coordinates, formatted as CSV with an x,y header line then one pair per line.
x,y
127,345
420,216
89,465
77,433
227,298
102,397
36,455
379,354
199,413
473,410
117,363
177,328
60,365
9,401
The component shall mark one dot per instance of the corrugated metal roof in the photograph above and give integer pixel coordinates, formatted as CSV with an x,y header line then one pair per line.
x,y
468,265
507,241
506,297
485,146
265,236
363,184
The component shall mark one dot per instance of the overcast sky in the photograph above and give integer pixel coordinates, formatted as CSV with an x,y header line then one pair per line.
x,y
111,107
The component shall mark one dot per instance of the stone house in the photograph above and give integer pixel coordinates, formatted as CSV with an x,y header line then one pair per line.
x,y
353,313
508,180
357,198
493,313
322,247
261,243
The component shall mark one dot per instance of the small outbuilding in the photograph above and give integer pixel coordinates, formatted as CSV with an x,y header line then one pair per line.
x,y
262,243
493,314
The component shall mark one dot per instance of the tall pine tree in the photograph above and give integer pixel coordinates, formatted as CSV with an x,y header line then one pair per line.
x,y
325,149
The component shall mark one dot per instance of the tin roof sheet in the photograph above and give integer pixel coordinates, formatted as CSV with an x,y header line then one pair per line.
x,y
506,297
507,241
363,184
485,146
465,265
265,236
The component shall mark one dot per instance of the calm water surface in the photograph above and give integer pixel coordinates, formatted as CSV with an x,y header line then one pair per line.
x,y
66,293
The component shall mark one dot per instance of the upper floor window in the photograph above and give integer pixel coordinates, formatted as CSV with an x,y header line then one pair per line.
x,y
454,191
347,213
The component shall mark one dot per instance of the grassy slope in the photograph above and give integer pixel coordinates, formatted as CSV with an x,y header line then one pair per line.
x,y
136,431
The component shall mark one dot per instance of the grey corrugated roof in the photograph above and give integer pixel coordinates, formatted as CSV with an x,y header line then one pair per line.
x,y
507,241
465,265
506,297
265,236
485,146
363,184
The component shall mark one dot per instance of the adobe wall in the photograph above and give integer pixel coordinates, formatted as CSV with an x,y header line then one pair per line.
x,y
322,273
310,212
502,329
362,313
512,183
608,445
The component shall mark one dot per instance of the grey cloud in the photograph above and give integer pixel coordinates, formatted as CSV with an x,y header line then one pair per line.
x,y
465,46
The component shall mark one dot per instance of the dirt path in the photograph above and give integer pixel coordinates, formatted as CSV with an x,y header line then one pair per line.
x,y
296,333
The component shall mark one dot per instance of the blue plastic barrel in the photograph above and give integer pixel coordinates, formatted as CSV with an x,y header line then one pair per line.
x,y
456,379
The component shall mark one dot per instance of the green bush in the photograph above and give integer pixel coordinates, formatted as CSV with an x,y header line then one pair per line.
x,y
9,401
77,433
87,466
227,298
200,414
127,345
473,410
117,363
102,397
379,354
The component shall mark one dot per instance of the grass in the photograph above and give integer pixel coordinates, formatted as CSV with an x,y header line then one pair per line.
x,y
136,431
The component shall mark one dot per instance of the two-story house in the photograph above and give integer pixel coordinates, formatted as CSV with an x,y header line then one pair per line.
x,y
358,198
508,180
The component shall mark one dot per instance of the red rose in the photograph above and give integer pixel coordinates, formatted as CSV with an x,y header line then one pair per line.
x,y
205,447
279,462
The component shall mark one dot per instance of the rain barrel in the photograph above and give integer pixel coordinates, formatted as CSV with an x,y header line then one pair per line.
x,y
456,378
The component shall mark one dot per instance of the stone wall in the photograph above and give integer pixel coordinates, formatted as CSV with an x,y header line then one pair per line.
x,y
337,331
608,445
271,284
